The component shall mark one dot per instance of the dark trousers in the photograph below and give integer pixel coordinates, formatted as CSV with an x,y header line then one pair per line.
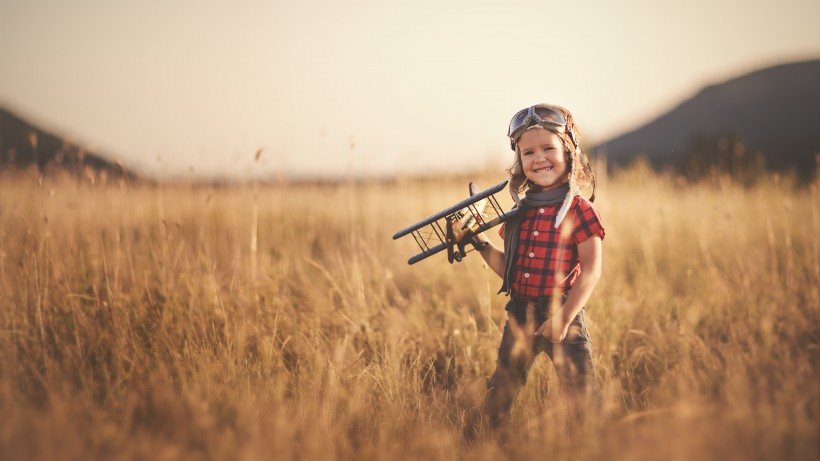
x,y
519,348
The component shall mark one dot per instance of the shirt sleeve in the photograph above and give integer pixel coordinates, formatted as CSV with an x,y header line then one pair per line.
x,y
587,222
501,229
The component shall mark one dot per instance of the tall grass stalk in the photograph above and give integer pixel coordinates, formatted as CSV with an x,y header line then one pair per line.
x,y
137,323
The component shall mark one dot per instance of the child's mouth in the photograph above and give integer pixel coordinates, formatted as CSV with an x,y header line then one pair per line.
x,y
543,170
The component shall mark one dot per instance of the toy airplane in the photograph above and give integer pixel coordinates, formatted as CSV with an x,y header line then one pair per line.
x,y
475,215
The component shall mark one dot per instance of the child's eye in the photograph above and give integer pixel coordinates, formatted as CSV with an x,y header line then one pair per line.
x,y
527,152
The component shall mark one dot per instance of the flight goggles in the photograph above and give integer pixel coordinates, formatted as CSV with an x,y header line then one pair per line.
x,y
541,114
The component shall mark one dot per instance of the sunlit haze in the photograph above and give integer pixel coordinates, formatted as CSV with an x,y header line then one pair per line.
x,y
367,87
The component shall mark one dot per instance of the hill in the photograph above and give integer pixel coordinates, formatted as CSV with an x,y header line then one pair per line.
x,y
770,116
25,146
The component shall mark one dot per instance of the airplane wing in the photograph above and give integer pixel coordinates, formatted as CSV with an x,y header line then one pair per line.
x,y
479,212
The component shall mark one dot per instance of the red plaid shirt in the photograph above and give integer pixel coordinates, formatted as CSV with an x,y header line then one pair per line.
x,y
546,258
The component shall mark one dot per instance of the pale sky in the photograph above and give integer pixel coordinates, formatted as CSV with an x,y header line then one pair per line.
x,y
334,87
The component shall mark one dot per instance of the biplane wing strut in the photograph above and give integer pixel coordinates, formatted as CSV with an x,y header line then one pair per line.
x,y
476,214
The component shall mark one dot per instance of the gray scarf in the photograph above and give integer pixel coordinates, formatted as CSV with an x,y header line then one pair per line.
x,y
545,198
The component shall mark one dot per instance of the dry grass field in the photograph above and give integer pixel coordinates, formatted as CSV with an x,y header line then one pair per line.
x,y
282,322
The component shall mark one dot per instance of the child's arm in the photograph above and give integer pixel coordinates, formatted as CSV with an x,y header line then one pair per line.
x,y
492,256
589,255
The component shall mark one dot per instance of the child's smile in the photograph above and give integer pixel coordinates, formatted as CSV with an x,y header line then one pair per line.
x,y
542,157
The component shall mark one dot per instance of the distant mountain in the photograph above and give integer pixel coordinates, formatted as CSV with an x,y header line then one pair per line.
x,y
772,115
25,146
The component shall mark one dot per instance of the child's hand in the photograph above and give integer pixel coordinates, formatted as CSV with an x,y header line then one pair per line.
x,y
553,329
458,232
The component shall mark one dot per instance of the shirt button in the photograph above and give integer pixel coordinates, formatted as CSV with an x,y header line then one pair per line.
x,y
526,275
535,233
532,255
541,210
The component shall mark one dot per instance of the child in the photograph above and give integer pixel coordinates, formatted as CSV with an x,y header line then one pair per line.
x,y
551,260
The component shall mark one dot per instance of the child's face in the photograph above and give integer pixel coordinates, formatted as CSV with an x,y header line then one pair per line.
x,y
542,158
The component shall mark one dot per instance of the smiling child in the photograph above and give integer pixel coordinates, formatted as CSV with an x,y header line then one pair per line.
x,y
551,260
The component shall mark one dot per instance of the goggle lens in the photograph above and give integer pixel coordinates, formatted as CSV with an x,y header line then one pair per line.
x,y
536,114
